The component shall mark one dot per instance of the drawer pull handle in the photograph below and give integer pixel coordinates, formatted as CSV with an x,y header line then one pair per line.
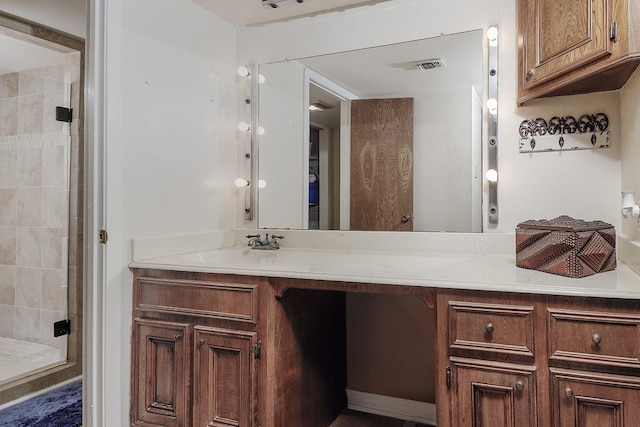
x,y
489,327
568,392
597,339
519,385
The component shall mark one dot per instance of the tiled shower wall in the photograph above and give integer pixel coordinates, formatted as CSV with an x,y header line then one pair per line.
x,y
35,222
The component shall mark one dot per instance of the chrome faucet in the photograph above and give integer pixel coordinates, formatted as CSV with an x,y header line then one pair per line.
x,y
269,244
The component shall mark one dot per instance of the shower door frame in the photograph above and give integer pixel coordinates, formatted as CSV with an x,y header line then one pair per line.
x,y
52,39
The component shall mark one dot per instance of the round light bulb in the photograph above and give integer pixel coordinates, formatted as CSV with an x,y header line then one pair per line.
x,y
240,182
261,79
492,175
243,71
262,183
260,130
492,33
244,126
492,105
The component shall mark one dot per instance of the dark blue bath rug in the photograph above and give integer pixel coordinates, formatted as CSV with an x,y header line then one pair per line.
x,y
61,407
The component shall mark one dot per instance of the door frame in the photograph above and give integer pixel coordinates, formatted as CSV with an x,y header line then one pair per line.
x,y
95,393
345,95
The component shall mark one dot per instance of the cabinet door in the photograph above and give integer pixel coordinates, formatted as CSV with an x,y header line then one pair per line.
x,y
161,372
224,377
588,399
560,36
492,394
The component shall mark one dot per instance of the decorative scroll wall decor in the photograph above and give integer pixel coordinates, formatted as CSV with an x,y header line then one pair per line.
x,y
565,133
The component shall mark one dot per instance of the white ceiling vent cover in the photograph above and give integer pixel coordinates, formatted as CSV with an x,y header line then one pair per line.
x,y
430,64
278,3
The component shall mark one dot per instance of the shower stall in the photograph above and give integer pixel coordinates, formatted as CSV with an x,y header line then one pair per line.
x,y
40,208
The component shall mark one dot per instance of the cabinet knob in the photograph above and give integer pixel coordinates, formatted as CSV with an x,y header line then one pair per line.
x,y
568,392
405,218
519,385
529,74
489,327
597,339
201,341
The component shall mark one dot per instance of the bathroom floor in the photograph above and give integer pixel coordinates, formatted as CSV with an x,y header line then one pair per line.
x,y
19,358
349,418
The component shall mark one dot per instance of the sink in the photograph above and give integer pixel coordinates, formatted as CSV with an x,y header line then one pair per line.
x,y
236,254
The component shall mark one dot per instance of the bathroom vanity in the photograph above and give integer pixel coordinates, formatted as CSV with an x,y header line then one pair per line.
x,y
234,336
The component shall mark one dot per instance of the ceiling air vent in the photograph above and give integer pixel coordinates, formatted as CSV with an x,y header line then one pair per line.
x,y
430,64
274,4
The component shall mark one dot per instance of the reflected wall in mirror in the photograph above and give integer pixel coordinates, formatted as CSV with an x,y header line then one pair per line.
x,y
383,138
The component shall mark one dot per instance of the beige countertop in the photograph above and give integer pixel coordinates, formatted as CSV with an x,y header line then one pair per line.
x,y
428,261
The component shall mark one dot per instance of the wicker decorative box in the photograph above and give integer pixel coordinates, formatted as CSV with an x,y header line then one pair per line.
x,y
566,246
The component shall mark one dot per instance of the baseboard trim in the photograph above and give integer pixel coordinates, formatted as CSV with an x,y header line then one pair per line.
x,y
403,409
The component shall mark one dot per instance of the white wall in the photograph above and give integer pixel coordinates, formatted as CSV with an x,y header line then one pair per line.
x,y
68,16
170,148
630,151
582,184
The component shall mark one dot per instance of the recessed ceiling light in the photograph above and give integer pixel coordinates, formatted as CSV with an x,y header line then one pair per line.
x,y
319,106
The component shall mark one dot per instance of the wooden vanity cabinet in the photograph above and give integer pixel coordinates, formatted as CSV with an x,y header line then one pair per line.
x,y
196,348
227,350
578,46
529,360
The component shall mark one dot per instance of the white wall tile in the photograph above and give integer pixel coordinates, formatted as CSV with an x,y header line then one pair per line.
x,y
28,287
9,84
28,246
29,206
8,206
30,167
8,245
7,285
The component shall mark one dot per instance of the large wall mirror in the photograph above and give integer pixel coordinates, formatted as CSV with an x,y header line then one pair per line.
x,y
383,138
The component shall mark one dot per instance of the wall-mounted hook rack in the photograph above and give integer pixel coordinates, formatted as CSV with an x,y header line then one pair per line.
x,y
589,131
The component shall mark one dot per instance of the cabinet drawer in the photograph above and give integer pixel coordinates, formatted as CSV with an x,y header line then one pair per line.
x,y
594,337
491,328
230,301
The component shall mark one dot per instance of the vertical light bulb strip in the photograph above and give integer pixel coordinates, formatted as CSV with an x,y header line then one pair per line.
x,y
245,128
492,113
254,83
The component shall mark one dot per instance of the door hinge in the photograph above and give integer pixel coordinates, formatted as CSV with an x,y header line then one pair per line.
x,y
613,32
257,350
61,327
448,376
103,236
64,114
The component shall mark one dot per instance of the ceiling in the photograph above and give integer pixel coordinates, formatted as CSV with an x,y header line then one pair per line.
x,y
17,55
390,71
243,13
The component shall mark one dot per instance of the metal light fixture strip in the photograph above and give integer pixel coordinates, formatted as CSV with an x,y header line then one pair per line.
x,y
492,148
250,94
